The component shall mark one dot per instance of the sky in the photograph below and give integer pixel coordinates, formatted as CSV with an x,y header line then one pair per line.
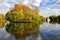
x,y
46,7
50,7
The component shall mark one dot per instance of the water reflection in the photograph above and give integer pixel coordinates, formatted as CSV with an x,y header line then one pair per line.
x,y
24,31
54,22
50,31
2,24
31,31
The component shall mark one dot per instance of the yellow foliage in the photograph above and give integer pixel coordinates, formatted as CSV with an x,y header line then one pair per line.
x,y
1,20
1,25
20,8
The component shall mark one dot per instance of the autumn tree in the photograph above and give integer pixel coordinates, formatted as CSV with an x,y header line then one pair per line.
x,y
22,13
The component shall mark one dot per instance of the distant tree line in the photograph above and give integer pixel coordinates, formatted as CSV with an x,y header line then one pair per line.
x,y
54,18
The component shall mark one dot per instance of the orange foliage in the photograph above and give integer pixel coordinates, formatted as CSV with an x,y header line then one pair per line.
x,y
20,8
1,20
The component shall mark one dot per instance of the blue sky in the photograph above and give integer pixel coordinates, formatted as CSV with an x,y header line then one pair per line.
x,y
47,7
50,7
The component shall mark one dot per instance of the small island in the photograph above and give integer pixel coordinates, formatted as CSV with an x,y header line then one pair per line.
x,y
21,13
23,20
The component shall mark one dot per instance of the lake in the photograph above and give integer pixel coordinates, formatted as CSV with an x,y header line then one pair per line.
x,y
46,31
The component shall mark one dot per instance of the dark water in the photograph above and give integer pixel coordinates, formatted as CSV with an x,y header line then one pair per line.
x,y
47,31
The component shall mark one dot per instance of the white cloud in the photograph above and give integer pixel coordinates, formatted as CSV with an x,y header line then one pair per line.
x,y
49,27
14,1
1,1
32,2
37,2
26,2
6,4
48,12
58,1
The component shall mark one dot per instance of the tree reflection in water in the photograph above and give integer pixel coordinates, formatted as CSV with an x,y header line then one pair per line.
x,y
2,24
54,22
24,31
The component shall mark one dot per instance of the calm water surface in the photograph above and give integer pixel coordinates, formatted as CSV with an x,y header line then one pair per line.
x,y
47,31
